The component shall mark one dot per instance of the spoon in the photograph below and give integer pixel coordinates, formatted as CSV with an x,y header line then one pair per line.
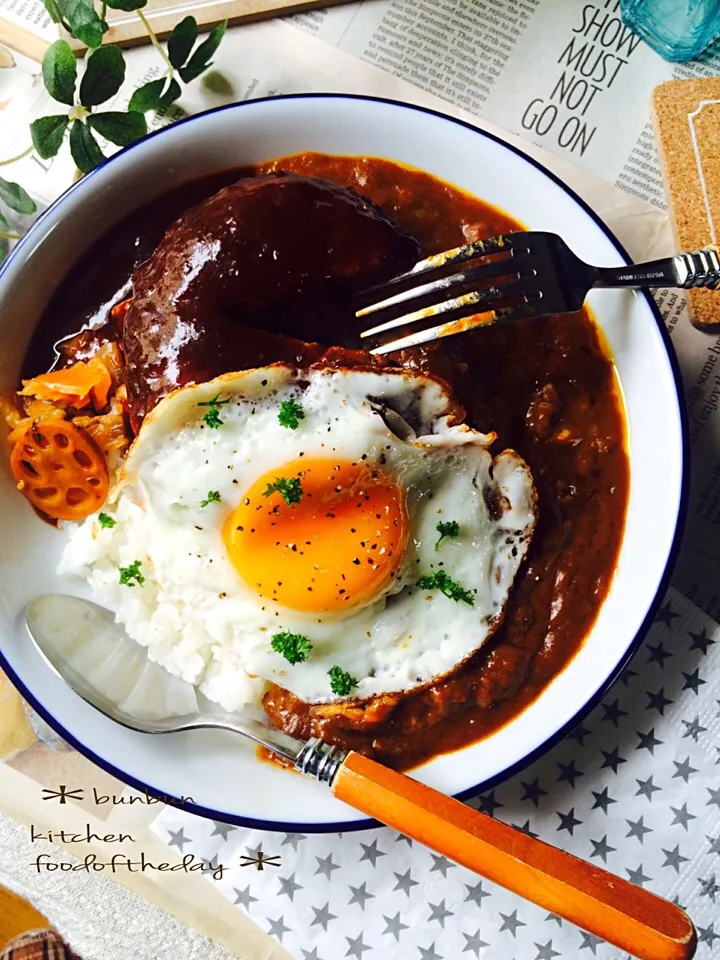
x,y
93,654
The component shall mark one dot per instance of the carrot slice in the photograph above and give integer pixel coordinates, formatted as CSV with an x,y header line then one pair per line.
x,y
76,385
99,392
71,385
120,309
60,469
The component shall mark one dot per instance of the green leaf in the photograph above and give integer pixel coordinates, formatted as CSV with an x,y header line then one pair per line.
x,y
47,134
202,58
15,197
59,70
4,242
119,128
83,20
84,147
126,4
103,77
153,96
173,93
53,10
147,97
181,41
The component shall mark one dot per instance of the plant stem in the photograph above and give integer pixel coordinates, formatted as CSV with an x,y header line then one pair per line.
x,y
155,42
20,156
103,10
9,236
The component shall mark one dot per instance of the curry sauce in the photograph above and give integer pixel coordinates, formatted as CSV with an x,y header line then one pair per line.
x,y
547,387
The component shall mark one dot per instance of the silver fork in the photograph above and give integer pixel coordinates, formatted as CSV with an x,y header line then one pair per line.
x,y
510,277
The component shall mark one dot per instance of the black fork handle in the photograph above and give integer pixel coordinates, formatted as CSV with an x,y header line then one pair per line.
x,y
699,269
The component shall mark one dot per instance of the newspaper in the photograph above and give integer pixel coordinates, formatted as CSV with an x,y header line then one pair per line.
x,y
566,77
482,62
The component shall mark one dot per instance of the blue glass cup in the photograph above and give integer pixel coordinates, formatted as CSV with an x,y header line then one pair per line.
x,y
676,29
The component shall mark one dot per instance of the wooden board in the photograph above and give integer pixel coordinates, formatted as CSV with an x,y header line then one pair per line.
x,y
687,122
16,917
126,29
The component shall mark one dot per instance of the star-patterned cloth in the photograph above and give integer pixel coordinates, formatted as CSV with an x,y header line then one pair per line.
x,y
634,788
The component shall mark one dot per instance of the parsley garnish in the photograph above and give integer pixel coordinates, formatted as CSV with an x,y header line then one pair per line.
x,y
212,497
289,488
451,528
290,414
293,646
128,574
105,521
212,417
341,683
445,584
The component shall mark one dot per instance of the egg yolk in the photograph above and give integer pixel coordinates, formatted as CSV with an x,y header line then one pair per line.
x,y
332,541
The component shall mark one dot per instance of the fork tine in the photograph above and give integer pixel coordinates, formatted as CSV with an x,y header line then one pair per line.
x,y
460,324
488,271
512,288
436,263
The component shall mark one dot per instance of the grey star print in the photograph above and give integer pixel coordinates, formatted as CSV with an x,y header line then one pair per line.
x,y
429,953
243,897
394,925
601,848
646,788
648,741
638,829
473,943
568,821
533,791
371,852
323,916
440,864
666,615
277,928
693,728
293,839
709,887
178,839
511,922
222,829
708,935
589,942
637,876
545,951
476,893
674,859
360,895
326,865
633,789
701,641
682,816
602,800
356,947
684,769
439,913
405,882
658,701
288,887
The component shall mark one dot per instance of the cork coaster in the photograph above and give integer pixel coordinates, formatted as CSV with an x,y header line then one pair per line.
x,y
687,122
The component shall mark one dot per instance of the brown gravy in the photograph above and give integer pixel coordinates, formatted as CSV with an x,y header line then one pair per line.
x,y
547,387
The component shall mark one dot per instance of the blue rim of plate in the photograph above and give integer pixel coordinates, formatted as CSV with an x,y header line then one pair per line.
x,y
367,824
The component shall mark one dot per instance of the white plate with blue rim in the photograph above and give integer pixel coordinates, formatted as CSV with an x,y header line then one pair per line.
x,y
216,774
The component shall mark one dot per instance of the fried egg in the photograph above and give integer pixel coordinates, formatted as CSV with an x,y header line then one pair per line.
x,y
333,531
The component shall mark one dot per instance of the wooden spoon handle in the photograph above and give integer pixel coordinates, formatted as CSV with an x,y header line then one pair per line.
x,y
633,919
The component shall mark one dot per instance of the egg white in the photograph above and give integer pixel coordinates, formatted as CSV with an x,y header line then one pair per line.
x,y
198,617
